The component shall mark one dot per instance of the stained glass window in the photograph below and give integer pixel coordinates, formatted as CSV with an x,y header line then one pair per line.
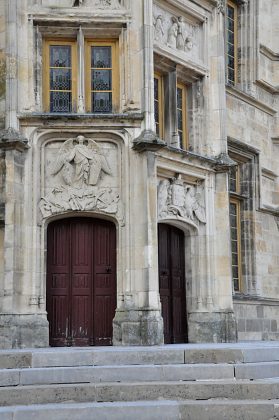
x,y
101,79
60,78
231,42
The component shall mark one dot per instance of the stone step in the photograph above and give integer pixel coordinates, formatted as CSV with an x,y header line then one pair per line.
x,y
126,373
137,373
158,355
151,410
144,391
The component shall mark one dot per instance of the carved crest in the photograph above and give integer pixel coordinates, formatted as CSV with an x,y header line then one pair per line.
x,y
176,198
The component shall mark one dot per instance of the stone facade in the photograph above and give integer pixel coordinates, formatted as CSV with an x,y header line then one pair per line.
x,y
114,165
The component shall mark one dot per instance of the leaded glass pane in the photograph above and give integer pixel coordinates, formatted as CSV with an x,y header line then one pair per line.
x,y
232,210
60,79
156,89
231,75
180,139
231,37
230,12
236,284
60,101
230,49
60,56
101,57
156,110
230,24
179,98
101,102
234,247
101,80
179,120
231,61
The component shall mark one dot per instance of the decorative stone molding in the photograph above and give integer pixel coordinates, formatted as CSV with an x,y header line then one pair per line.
x,y
79,164
11,67
178,199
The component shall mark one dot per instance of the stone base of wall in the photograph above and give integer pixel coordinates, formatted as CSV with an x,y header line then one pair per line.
x,y
23,331
212,327
257,319
137,328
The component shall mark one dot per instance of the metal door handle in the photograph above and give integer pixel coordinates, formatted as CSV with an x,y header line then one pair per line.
x,y
108,269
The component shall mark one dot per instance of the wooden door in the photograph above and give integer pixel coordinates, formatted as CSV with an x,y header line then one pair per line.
x,y
172,283
81,281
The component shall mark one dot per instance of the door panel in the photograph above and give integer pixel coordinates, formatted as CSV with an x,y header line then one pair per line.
x,y
172,283
81,282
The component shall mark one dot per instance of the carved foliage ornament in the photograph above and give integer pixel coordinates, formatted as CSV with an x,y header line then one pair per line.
x,y
176,198
80,164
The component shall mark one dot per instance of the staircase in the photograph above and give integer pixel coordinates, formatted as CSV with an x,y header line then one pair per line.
x,y
195,382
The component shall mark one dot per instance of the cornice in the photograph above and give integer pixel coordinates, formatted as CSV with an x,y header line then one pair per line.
x,y
238,94
269,53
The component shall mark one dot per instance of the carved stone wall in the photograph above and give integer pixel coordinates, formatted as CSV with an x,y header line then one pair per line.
x,y
177,33
181,200
81,175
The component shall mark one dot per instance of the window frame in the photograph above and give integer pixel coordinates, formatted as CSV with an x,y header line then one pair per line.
x,y
234,6
113,43
160,124
185,137
47,42
236,201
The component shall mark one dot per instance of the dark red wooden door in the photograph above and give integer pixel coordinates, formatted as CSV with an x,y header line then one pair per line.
x,y
81,281
172,283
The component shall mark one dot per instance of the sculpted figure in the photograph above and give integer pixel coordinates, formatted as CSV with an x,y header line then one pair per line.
x,y
158,28
193,206
80,162
114,4
180,41
172,33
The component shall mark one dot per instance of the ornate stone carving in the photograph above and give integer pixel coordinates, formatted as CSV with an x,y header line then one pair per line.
x,y
159,31
221,6
103,200
79,166
80,162
176,198
174,31
103,4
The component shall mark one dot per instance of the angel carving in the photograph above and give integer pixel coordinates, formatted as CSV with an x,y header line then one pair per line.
x,y
80,162
193,205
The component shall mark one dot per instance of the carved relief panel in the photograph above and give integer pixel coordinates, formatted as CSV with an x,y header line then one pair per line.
x,y
81,174
99,4
177,33
180,200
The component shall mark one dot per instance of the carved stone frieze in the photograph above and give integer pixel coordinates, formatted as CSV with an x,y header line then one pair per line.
x,y
179,199
101,200
175,32
74,180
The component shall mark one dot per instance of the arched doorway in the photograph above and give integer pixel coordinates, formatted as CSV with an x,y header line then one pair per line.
x,y
81,281
172,283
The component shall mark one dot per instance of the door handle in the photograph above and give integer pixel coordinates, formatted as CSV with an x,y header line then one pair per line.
x,y
108,269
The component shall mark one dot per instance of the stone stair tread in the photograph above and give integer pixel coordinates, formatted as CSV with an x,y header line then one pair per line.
x,y
139,410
